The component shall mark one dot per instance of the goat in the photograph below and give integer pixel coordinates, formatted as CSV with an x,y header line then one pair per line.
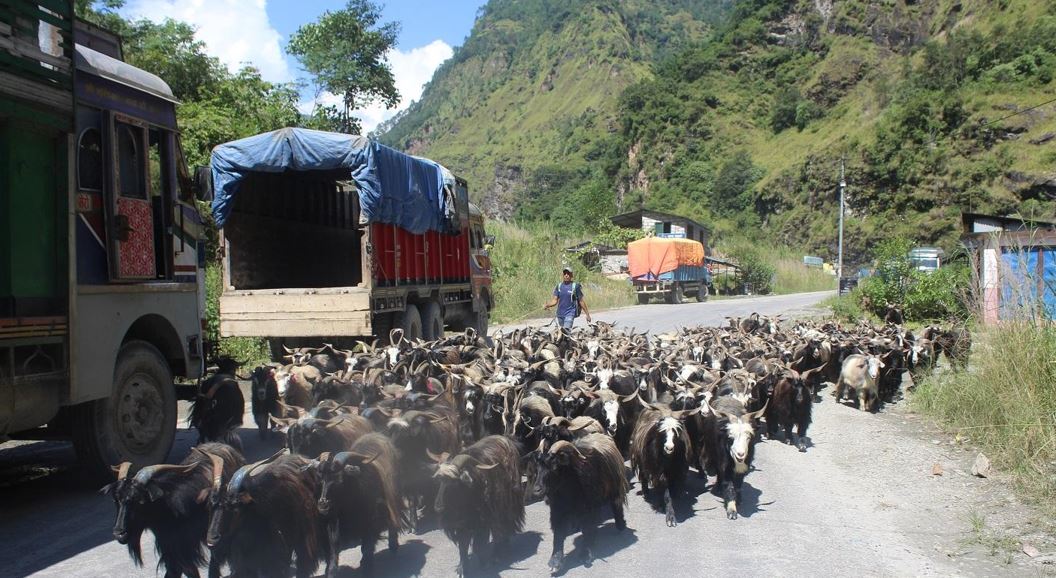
x,y
360,499
267,514
480,494
578,478
310,437
790,404
860,374
416,434
218,410
171,502
660,456
731,434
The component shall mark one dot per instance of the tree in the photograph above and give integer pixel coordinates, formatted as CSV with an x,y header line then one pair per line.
x,y
345,52
733,186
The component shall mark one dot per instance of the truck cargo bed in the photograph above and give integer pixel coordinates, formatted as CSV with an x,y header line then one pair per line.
x,y
295,312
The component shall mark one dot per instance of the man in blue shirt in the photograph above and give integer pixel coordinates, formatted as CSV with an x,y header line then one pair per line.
x,y
568,296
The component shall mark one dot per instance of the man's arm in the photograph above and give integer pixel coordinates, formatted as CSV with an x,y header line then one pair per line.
x,y
583,306
553,300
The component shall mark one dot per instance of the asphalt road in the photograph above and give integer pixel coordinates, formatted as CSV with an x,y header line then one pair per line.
x,y
862,501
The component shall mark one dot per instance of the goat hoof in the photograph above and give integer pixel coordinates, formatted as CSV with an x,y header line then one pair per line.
x,y
731,511
555,563
671,522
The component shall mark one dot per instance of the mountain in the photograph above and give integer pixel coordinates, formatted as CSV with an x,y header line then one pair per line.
x,y
740,114
525,102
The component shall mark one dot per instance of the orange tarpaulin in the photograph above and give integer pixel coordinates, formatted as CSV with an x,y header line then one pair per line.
x,y
655,255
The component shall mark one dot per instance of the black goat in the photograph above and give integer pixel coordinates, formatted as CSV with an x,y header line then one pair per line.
x,y
218,409
579,478
310,437
360,499
660,456
268,514
480,494
333,388
790,405
416,434
730,433
171,502
264,399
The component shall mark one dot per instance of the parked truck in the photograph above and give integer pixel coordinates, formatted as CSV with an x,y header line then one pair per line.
x,y
328,237
668,267
101,301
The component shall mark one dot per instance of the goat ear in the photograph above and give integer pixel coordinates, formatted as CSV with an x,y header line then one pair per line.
x,y
154,492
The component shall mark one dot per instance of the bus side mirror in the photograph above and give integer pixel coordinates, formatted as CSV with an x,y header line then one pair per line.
x,y
489,240
203,184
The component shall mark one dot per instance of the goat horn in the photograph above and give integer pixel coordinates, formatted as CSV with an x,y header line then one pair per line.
x,y
144,475
324,457
486,467
441,458
122,470
218,470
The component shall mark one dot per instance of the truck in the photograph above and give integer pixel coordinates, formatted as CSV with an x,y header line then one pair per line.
x,y
330,237
672,267
926,259
101,285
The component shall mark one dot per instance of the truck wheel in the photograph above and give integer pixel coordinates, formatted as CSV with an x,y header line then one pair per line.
x,y
481,324
674,296
643,298
432,321
411,323
137,423
702,293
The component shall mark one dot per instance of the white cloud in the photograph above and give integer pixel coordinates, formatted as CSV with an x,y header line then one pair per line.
x,y
235,31
411,70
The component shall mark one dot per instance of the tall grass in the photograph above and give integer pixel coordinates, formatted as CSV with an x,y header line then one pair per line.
x,y
252,351
792,276
526,265
1006,402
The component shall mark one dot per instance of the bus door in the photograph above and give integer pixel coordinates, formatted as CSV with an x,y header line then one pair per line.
x,y
132,252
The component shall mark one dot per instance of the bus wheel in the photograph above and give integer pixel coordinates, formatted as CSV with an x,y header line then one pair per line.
x,y
702,293
137,423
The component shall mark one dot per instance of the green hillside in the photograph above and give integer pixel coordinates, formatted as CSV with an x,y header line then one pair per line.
x,y
738,114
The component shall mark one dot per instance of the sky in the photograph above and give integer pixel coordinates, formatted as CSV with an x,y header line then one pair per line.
x,y
256,31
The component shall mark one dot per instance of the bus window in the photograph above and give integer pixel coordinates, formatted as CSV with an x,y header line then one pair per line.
x,y
90,160
129,153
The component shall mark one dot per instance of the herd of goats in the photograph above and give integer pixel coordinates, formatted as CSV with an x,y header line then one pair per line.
x,y
468,430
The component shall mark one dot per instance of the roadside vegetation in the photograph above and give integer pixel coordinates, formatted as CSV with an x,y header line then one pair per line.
x,y
1005,403
526,265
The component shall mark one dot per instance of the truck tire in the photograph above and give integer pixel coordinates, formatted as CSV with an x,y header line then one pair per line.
x,y
432,321
674,296
643,298
481,323
137,423
702,293
411,322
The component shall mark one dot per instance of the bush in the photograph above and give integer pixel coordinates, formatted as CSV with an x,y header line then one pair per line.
x,y
756,273
846,307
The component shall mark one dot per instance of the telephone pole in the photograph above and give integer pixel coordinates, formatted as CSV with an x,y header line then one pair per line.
x,y
843,188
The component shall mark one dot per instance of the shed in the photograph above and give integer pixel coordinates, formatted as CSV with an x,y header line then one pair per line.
x,y
661,224
1014,261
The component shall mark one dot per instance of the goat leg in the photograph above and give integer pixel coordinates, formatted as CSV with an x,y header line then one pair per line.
x,y
617,511
590,536
333,535
394,540
729,494
482,549
557,556
463,555
366,567
669,508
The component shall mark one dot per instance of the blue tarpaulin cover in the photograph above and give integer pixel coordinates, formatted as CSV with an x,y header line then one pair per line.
x,y
394,187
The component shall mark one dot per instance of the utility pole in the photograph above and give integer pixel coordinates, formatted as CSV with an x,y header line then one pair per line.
x,y
843,188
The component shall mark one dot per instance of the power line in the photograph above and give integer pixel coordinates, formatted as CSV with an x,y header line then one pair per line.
x,y
1018,113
